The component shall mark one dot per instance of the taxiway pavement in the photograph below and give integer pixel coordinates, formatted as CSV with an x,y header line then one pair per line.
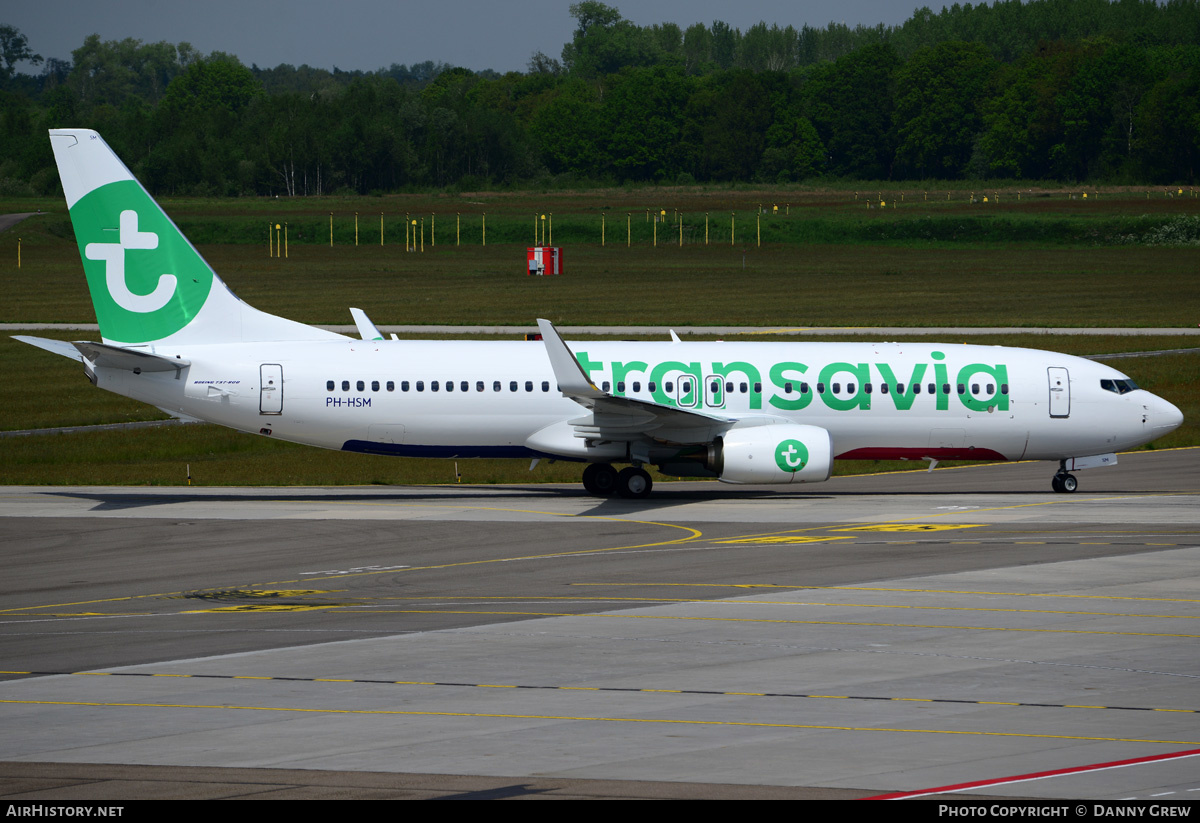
x,y
874,634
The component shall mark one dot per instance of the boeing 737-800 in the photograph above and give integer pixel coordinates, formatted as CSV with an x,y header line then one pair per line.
x,y
175,336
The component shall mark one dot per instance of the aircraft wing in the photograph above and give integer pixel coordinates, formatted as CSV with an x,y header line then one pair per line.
x,y
624,418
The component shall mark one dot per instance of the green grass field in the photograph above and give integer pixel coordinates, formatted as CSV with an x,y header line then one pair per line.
x,y
1053,260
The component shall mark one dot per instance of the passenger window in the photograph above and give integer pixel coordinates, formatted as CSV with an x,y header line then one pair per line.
x,y
974,388
849,388
328,385
866,388
883,388
804,388
464,386
449,385
758,388
962,389
787,388
420,385
479,385
433,385
345,385
820,388
359,385
837,388
528,385
729,387
916,388
652,386
496,385
391,385
945,388
931,388
1004,388
374,385
604,386
899,388
545,385
668,387
991,388
621,386
742,387
512,386
637,386
403,385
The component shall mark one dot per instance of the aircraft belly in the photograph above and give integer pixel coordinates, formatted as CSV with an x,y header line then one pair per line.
x,y
976,436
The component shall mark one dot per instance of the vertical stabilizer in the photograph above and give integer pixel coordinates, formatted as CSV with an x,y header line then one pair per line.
x,y
148,283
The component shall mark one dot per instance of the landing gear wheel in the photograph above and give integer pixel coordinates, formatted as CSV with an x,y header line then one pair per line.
x,y
600,479
634,483
1064,483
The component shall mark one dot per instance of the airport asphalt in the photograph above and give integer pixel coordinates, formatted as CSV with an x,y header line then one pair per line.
x,y
875,634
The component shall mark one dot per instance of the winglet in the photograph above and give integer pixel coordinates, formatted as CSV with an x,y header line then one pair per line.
x,y
572,380
366,329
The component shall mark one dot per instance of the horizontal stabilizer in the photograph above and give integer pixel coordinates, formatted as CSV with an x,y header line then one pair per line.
x,y
115,357
59,347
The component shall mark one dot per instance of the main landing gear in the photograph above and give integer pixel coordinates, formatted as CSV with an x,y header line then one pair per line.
x,y
1064,481
603,480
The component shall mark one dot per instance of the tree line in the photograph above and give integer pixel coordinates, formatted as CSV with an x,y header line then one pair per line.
x,y
1066,90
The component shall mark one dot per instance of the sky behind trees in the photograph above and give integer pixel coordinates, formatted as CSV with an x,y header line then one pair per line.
x,y
373,34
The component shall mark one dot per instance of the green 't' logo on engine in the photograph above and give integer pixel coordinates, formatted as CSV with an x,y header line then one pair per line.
x,y
146,280
791,456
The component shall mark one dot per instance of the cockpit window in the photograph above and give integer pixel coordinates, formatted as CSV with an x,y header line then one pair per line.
x,y
1118,386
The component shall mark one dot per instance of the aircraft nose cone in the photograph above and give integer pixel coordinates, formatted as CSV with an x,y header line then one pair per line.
x,y
1164,416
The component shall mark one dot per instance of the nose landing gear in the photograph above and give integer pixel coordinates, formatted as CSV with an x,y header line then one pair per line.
x,y
1064,482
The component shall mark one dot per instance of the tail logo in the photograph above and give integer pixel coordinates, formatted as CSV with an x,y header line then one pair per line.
x,y
113,255
146,280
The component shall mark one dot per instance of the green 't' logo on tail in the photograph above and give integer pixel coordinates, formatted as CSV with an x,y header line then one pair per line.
x,y
146,280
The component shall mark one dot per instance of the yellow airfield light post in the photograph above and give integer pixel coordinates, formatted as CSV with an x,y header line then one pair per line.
x,y
679,219
458,228
656,231
433,228
758,227
731,226
356,228
543,231
270,240
285,249
414,234
381,228
18,252
406,248
601,229
706,228
278,228
551,243
331,230
628,230
422,234
485,228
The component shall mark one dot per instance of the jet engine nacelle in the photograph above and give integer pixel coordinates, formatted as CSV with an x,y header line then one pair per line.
x,y
777,453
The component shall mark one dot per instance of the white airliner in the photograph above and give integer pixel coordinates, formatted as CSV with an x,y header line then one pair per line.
x,y
175,336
